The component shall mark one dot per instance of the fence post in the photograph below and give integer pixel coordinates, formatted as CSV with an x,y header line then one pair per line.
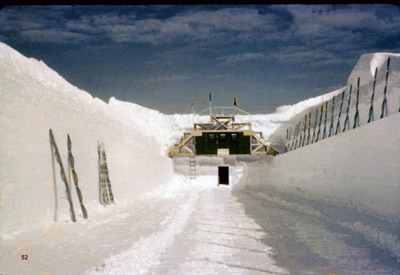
x,y
384,103
346,121
326,115
340,113
304,130
315,126
371,108
356,116
309,126
295,138
287,139
331,127
291,138
300,135
320,121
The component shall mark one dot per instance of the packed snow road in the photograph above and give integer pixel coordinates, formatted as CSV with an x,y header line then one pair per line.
x,y
196,228
219,238
71,248
240,232
308,244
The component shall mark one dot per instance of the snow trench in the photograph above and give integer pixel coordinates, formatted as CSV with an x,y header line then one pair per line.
x,y
350,180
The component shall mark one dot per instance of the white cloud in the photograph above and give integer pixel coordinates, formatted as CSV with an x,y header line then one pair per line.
x,y
319,26
168,78
241,57
54,35
186,27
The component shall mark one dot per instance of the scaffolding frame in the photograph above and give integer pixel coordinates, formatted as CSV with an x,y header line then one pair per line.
x,y
220,124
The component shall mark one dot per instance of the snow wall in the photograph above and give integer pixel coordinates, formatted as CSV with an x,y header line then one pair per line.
x,y
33,99
352,179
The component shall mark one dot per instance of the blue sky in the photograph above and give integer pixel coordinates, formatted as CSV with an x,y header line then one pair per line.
x,y
166,57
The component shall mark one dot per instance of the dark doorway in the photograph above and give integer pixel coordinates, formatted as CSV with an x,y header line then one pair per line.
x,y
223,175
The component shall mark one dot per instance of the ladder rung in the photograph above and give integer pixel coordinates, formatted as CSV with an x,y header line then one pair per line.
x,y
192,168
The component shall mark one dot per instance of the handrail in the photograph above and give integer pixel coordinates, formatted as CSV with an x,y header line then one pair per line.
x,y
225,108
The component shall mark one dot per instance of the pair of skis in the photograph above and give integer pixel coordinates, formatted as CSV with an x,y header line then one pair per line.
x,y
71,170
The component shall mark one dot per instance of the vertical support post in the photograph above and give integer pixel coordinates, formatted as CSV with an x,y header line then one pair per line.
x,y
309,126
210,105
315,126
287,138
304,130
384,103
356,116
193,111
320,121
298,135
371,108
346,121
295,137
234,104
332,111
326,116
340,113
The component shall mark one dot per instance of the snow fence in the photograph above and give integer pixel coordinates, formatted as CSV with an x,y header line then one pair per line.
x,y
352,179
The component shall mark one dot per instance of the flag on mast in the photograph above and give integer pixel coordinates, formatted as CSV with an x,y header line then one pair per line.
x,y
234,101
210,96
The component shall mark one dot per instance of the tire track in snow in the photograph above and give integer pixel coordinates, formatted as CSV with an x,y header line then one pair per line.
x,y
145,253
219,239
380,239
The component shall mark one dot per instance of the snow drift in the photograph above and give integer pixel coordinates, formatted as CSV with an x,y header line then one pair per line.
x,y
351,179
33,99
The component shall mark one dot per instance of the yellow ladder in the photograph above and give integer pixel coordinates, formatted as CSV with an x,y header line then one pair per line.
x,y
192,168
